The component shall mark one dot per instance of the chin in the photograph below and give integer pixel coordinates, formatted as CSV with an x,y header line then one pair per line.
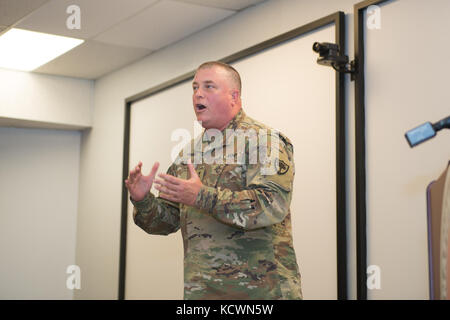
x,y
201,118
205,124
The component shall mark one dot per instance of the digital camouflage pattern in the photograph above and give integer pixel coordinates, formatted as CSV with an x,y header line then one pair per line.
x,y
238,236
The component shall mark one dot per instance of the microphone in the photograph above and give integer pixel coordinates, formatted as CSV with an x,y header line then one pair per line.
x,y
426,131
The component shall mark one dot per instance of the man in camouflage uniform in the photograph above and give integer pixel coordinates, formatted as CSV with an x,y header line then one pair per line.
x,y
233,211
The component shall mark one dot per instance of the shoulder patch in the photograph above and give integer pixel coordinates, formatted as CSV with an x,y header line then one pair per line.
x,y
282,167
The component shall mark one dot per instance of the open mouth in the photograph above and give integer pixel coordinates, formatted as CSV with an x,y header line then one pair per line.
x,y
200,107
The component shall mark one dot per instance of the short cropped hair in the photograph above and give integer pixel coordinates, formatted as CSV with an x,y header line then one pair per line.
x,y
234,75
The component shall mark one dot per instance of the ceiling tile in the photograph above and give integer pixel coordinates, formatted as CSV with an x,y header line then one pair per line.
x,y
225,4
163,24
96,16
118,32
92,60
12,11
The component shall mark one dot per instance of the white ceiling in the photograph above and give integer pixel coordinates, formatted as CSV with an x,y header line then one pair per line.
x,y
117,32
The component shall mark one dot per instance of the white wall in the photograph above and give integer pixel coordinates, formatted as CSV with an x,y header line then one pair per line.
x,y
39,172
402,93
38,100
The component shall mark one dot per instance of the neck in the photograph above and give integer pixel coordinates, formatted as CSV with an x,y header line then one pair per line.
x,y
233,115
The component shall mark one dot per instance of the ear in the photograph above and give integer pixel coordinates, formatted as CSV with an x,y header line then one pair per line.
x,y
235,96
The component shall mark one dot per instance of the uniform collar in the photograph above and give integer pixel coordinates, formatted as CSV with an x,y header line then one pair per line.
x,y
234,123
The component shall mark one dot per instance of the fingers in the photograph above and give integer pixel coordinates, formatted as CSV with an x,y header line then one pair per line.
x,y
169,178
167,186
168,197
192,171
136,173
133,175
154,170
167,190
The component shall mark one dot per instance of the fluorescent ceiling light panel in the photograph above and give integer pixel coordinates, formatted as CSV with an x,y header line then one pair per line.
x,y
27,50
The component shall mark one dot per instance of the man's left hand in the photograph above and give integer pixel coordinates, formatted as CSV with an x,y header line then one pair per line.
x,y
179,190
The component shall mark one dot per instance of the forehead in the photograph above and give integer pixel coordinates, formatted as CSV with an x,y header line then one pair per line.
x,y
214,73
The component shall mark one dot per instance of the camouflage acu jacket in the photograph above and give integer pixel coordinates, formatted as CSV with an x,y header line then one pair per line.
x,y
238,237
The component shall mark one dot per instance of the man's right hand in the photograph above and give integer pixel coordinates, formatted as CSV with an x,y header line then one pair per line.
x,y
139,185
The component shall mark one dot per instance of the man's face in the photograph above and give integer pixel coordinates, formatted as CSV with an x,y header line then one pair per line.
x,y
212,97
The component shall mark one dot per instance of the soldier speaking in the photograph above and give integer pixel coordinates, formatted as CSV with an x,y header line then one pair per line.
x,y
232,206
